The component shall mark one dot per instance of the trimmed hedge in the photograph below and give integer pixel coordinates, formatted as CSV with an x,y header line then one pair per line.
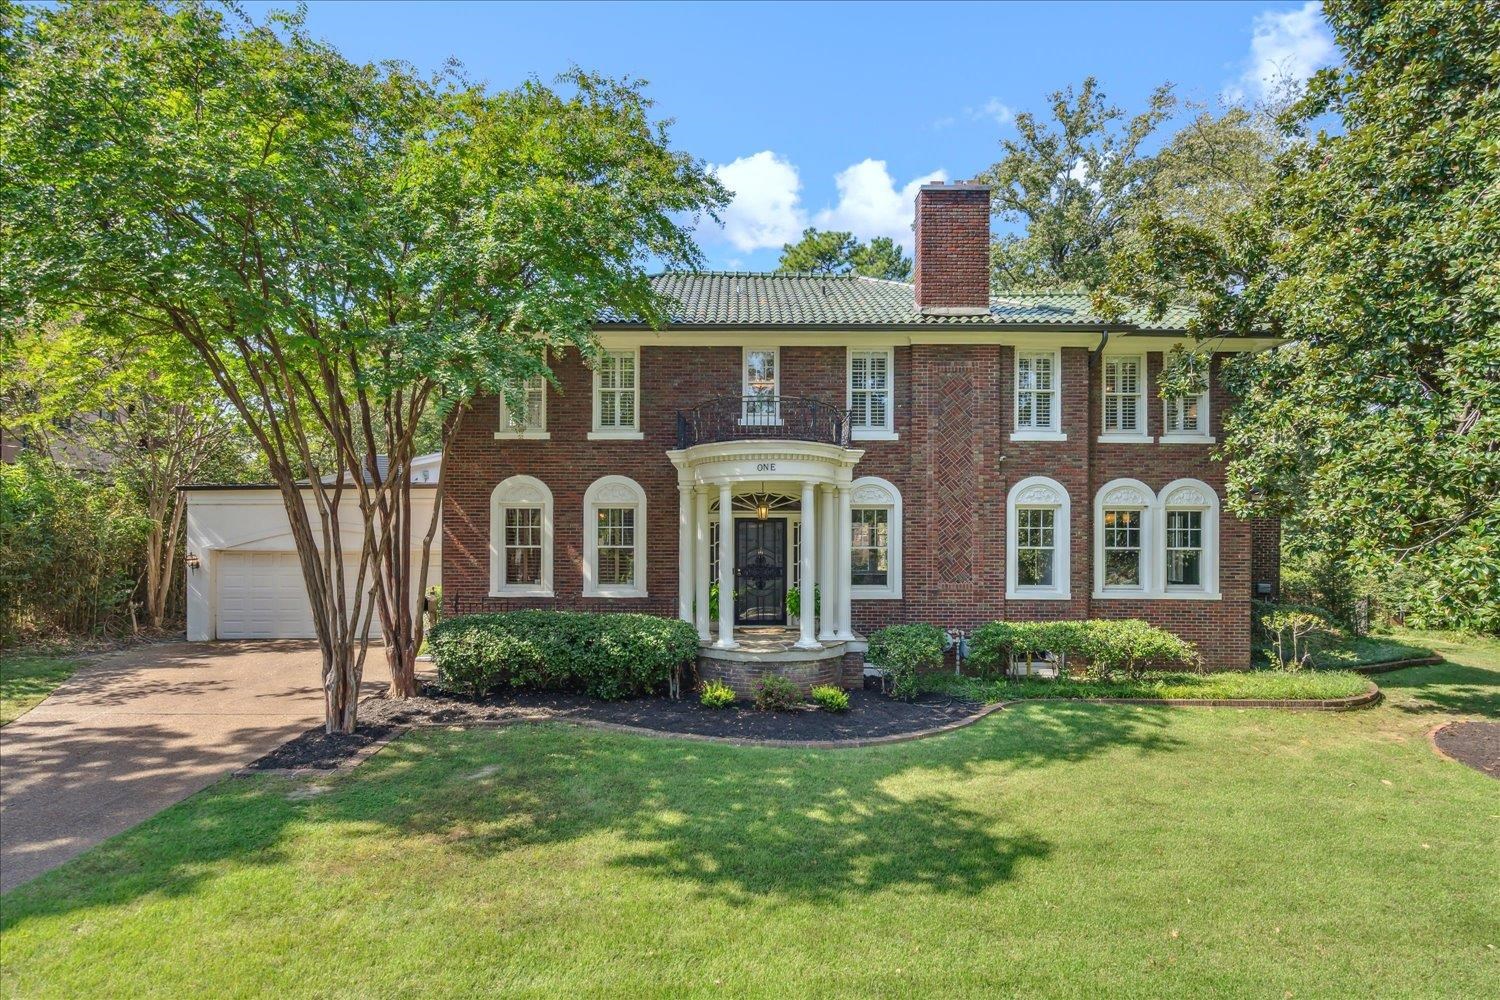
x,y
1107,644
607,656
903,651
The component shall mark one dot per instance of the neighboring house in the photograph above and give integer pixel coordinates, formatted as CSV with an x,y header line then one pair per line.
x,y
925,452
244,580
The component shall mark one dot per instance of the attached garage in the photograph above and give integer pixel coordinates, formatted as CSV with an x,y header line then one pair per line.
x,y
244,579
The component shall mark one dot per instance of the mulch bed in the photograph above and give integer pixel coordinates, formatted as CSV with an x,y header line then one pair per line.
x,y
1476,744
318,750
871,714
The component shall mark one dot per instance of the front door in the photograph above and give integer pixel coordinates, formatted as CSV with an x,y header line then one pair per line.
x,y
760,571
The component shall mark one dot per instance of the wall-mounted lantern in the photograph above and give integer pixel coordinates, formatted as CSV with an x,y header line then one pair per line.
x,y
191,560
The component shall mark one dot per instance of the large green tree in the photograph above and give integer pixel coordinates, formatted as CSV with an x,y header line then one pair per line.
x,y
345,248
1073,183
1376,253
832,251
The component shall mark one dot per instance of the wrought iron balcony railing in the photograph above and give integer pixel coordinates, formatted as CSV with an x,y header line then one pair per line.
x,y
749,418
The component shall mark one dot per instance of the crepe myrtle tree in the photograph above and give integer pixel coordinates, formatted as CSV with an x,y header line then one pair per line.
x,y
1374,253
348,250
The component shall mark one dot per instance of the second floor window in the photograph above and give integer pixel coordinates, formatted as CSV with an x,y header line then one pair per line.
x,y
617,392
531,416
870,405
761,381
1036,391
1124,389
1186,416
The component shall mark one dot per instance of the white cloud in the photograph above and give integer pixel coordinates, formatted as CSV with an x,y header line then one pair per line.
x,y
765,210
869,204
994,110
1284,46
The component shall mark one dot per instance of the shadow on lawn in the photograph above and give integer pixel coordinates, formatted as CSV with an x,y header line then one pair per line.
x,y
732,822
1450,688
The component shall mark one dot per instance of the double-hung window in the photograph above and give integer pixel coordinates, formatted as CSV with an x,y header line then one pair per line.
x,y
1036,547
529,420
523,547
871,403
1185,419
614,540
762,379
1124,397
1122,548
1038,412
617,398
870,547
521,538
1185,549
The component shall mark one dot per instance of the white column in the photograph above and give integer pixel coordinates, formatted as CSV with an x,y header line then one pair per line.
x,y
828,557
685,552
809,639
726,570
846,618
700,554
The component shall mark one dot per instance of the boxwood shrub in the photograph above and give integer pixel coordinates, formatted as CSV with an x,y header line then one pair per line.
x,y
1107,644
903,651
603,655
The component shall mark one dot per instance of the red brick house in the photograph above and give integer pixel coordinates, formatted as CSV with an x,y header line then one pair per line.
x,y
924,452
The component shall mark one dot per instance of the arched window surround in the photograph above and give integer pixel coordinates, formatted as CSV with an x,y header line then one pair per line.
x,y
613,492
1040,493
872,492
1178,495
521,492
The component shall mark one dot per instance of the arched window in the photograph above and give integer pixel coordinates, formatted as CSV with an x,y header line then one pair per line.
x,y
875,541
614,538
1037,564
521,538
1189,560
1124,539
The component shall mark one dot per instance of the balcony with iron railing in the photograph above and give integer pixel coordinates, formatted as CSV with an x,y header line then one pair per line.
x,y
762,417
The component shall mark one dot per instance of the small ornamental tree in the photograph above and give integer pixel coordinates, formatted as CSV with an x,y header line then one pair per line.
x,y
346,250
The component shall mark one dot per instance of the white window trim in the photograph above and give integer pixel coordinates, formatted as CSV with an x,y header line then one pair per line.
x,y
632,433
1202,436
874,492
613,491
1126,494
1039,491
888,432
1142,436
519,491
1191,494
508,431
745,383
1053,433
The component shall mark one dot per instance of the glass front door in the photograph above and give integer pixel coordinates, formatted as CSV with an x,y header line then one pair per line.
x,y
760,571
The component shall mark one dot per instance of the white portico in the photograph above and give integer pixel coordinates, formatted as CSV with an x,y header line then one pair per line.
x,y
728,493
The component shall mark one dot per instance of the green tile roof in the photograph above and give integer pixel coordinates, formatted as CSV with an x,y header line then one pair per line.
x,y
737,298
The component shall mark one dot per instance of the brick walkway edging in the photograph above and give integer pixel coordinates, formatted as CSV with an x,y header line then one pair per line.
x,y
1389,665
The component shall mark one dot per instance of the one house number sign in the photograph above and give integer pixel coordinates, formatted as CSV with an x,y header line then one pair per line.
x,y
766,467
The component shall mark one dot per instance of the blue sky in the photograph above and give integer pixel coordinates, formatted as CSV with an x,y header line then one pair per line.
x,y
830,114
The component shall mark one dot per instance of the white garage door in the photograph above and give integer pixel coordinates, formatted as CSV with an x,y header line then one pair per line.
x,y
262,596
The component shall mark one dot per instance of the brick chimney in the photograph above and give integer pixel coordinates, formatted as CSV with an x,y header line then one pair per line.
x,y
953,249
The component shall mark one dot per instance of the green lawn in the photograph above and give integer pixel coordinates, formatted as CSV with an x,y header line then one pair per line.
x,y
1053,849
1368,649
26,679
1281,685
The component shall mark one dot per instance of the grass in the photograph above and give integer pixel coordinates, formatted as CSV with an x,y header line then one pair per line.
x,y
1303,685
1365,650
26,679
1054,849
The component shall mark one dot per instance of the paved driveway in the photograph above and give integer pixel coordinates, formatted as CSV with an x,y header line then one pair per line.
x,y
136,731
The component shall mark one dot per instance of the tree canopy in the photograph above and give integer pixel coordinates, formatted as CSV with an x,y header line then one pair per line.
x,y
343,248
837,252
1376,253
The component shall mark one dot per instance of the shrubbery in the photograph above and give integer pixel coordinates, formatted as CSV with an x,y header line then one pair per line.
x,y
903,651
774,693
1107,644
716,694
830,699
1291,632
603,655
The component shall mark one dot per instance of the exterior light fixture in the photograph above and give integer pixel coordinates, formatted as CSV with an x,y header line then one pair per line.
x,y
762,511
191,560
